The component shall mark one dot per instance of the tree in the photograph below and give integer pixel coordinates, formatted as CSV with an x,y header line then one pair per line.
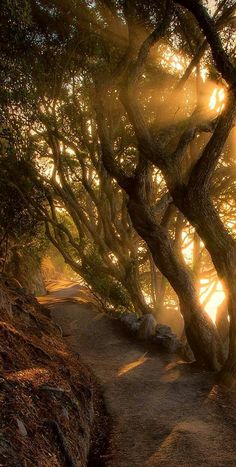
x,y
190,188
97,73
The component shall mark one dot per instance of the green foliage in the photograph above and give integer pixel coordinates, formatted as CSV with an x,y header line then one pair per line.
x,y
53,266
22,239
106,287
14,215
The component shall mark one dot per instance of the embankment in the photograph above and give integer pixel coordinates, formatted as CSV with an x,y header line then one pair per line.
x,y
52,411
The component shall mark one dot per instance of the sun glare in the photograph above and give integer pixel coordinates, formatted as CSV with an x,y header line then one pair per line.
x,y
172,60
214,301
217,296
217,98
130,366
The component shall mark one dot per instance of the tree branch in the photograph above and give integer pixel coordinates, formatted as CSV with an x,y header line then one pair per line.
x,y
107,150
136,69
208,26
204,168
202,48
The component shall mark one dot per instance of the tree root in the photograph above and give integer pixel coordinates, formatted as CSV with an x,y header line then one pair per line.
x,y
62,443
61,392
23,338
52,389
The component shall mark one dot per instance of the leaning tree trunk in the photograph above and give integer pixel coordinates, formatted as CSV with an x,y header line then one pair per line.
x,y
201,333
201,213
228,373
154,285
158,288
132,284
222,321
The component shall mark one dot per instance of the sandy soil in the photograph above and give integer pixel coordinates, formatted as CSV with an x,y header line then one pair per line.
x,y
164,413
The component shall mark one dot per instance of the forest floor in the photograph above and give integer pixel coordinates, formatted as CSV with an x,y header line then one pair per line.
x,y
164,412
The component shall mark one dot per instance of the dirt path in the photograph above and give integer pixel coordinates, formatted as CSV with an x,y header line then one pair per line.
x,y
163,413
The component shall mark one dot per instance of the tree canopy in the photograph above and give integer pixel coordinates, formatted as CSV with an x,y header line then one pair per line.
x,y
116,135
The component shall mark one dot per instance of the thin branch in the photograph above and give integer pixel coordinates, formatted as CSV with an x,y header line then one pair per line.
x,y
189,134
202,48
149,42
208,26
107,150
204,168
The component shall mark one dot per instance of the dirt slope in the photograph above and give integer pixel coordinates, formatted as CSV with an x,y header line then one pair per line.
x,y
164,413
50,405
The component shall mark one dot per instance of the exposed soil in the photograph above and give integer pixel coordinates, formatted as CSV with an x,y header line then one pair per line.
x,y
164,412
50,404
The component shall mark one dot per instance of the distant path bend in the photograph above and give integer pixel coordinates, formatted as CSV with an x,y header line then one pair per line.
x,y
163,413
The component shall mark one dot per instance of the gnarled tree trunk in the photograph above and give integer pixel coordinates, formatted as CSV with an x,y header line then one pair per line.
x,y
200,212
222,321
201,333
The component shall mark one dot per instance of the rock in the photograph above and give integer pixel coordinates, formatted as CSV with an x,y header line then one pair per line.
x,y
147,326
21,427
131,321
65,413
166,338
65,417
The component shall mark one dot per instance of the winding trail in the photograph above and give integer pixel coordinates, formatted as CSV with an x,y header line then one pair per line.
x,y
164,413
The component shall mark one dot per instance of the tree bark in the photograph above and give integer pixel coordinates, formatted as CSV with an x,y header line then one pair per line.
x,y
158,287
201,333
201,213
132,285
222,321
